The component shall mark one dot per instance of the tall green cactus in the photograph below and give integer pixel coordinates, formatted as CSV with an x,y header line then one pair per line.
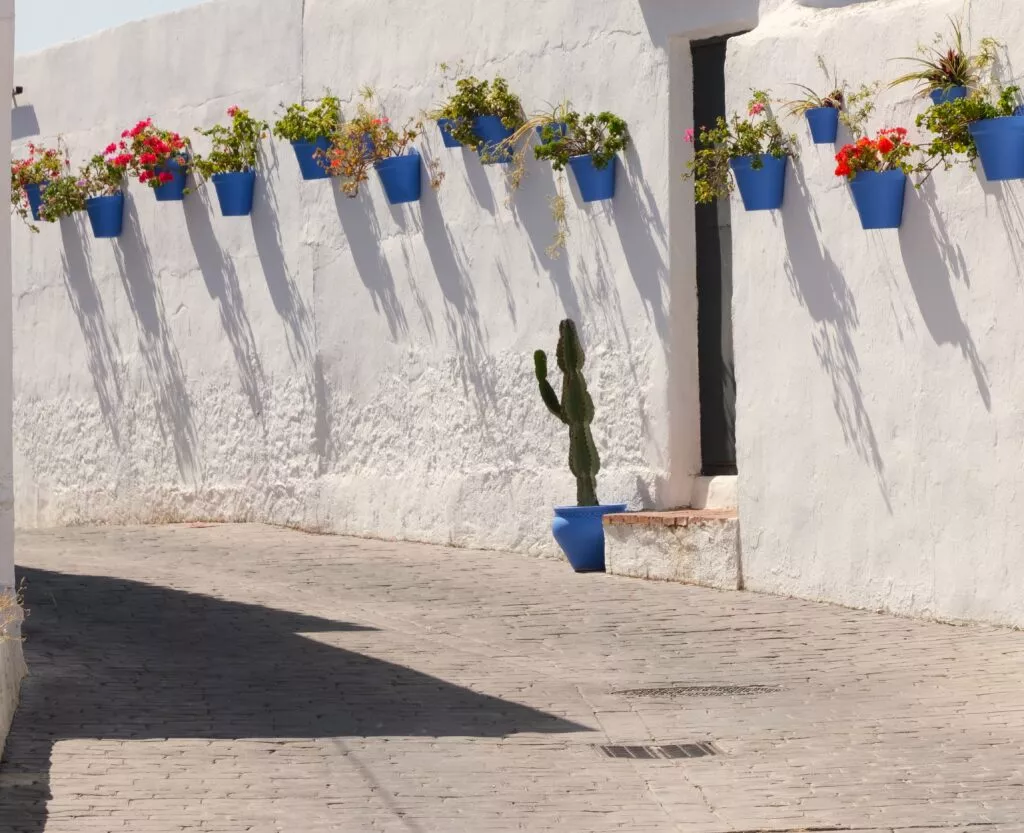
x,y
576,409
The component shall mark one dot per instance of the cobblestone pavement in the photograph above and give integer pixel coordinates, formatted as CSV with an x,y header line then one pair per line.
x,y
241,678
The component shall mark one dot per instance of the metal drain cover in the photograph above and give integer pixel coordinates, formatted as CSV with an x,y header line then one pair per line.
x,y
701,691
662,752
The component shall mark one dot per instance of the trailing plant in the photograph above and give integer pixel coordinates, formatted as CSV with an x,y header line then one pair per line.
x,y
473,98
11,613
601,135
102,176
949,123
758,135
888,151
42,166
576,409
948,62
810,100
364,140
235,146
309,122
146,150
858,109
558,204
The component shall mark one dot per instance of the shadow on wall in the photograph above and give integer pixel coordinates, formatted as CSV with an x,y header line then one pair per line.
x,y
163,367
119,660
103,353
697,18
24,122
819,285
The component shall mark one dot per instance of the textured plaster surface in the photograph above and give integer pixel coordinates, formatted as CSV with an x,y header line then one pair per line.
x,y
704,553
880,387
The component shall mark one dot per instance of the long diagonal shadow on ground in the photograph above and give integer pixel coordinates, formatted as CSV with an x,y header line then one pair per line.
x,y
117,659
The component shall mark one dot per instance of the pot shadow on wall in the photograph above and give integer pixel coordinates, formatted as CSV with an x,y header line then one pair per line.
x,y
461,313
103,352
479,184
119,660
819,285
290,306
933,261
163,367
221,279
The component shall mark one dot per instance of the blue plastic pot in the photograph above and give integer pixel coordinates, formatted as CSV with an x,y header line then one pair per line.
x,y
879,198
173,191
824,124
761,189
595,184
492,133
34,192
558,129
311,165
445,126
948,94
579,531
106,215
1000,145
234,192
400,176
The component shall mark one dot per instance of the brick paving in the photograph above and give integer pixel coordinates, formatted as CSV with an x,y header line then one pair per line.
x,y
241,678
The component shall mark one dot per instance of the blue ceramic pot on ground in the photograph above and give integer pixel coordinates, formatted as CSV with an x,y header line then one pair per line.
x,y
34,192
400,176
445,125
594,183
763,188
824,124
879,198
234,192
556,129
173,191
312,165
1000,144
106,215
579,531
947,95
493,133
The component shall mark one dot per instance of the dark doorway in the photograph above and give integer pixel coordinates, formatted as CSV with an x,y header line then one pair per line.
x,y
714,281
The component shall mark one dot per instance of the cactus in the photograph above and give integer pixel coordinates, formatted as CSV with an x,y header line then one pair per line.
x,y
576,410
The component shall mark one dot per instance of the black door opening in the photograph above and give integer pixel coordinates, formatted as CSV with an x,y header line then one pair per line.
x,y
714,281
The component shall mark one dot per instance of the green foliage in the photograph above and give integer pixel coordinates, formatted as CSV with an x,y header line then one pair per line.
x,y
758,135
307,123
948,62
235,147
576,409
858,108
67,195
949,125
473,98
601,135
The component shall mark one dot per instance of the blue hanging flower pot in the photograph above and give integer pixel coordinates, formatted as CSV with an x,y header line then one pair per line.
x,y
312,158
234,192
879,197
34,192
106,215
400,176
493,135
173,190
1000,144
948,94
594,183
555,130
824,124
579,531
445,126
761,188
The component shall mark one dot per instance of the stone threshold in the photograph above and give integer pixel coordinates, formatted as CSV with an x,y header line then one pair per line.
x,y
673,517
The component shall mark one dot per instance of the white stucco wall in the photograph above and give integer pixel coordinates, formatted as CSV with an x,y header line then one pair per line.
x,y
880,385
344,365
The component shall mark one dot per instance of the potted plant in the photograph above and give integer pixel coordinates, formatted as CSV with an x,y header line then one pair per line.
x,y
309,128
755,148
821,111
398,165
31,176
947,70
231,163
579,530
482,115
97,190
877,172
159,158
588,145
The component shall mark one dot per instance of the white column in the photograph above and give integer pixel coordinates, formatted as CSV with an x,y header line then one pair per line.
x,y
6,341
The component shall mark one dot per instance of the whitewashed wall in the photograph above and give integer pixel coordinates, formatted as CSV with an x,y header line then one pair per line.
x,y
881,388
341,364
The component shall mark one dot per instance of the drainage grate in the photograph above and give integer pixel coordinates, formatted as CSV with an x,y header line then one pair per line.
x,y
701,691
669,751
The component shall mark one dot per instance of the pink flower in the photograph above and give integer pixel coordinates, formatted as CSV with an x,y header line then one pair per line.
x,y
234,110
756,108
688,136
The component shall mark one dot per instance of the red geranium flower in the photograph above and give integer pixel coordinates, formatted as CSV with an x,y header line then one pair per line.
x,y
111,148
234,110
885,145
166,176
148,159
